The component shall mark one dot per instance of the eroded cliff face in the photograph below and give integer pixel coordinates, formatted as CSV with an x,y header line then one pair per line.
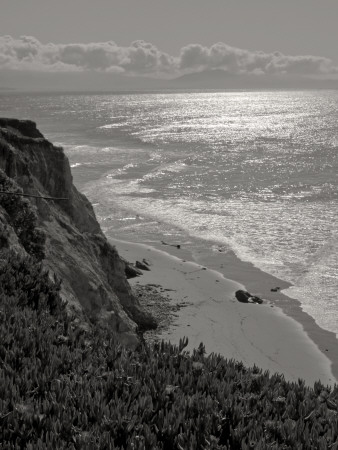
x,y
73,245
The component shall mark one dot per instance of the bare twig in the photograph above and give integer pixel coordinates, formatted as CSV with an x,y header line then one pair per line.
x,y
35,196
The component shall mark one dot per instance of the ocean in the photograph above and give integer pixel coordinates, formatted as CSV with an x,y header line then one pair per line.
x,y
251,172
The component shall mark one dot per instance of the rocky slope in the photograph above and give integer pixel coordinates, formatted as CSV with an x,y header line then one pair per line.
x,y
62,232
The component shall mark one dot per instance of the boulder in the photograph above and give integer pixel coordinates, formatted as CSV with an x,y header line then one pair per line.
x,y
131,271
276,289
255,299
242,296
141,265
246,297
146,262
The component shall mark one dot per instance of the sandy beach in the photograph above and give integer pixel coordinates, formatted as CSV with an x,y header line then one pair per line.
x,y
206,310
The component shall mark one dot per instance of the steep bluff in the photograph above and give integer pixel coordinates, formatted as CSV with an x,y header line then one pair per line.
x,y
63,232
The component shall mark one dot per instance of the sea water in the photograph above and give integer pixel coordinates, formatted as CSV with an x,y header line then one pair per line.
x,y
252,172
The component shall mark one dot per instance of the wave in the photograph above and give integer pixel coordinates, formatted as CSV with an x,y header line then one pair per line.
x,y
282,250
176,167
111,125
317,287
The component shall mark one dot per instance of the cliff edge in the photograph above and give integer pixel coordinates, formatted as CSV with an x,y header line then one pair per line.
x,y
61,229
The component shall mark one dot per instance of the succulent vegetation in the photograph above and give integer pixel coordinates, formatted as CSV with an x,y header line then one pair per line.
x,y
65,386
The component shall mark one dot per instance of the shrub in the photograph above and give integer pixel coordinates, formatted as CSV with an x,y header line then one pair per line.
x,y
22,217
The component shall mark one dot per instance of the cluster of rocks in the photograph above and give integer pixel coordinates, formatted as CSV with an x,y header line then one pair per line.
x,y
135,270
276,289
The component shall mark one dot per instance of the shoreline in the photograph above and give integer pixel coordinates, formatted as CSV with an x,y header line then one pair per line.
x,y
259,283
207,311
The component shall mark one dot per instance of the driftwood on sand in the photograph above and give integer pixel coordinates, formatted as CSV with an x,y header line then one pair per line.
x,y
171,245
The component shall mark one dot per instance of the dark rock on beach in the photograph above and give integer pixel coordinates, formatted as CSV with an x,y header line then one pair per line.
x,y
131,271
146,262
246,297
141,265
256,299
276,289
242,296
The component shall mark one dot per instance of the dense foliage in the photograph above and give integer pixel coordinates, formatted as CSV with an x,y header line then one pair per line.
x,y
22,217
64,387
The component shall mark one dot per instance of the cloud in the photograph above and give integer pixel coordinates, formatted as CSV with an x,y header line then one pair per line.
x,y
217,56
143,58
27,52
235,60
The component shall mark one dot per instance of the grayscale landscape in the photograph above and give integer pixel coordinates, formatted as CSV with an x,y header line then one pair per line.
x,y
168,224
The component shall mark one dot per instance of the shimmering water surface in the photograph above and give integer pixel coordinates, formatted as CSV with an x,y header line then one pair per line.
x,y
255,172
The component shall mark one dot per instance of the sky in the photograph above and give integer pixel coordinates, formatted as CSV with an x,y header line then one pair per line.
x,y
165,39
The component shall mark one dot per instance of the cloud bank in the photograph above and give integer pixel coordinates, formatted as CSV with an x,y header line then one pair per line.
x,y
143,58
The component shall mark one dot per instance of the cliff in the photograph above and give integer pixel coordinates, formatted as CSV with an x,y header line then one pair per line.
x,y
62,232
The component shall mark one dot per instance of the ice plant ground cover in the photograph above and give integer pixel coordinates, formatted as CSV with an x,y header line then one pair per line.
x,y
64,387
